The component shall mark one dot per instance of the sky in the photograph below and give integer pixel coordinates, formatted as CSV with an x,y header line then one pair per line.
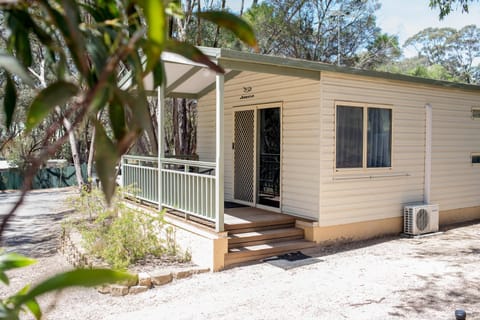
x,y
405,18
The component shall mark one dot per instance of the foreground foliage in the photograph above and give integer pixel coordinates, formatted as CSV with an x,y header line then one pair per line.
x,y
89,46
26,298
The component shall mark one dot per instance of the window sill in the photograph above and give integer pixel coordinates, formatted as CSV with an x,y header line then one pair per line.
x,y
372,176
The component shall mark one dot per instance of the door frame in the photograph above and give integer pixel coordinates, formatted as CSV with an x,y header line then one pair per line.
x,y
256,108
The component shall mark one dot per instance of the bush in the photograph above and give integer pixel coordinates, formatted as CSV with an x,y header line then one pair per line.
x,y
120,234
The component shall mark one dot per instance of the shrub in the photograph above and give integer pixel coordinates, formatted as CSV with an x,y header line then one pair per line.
x,y
121,234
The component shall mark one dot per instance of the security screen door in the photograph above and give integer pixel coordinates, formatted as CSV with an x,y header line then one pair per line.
x,y
257,157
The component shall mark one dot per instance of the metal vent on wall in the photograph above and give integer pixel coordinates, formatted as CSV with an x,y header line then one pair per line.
x,y
244,155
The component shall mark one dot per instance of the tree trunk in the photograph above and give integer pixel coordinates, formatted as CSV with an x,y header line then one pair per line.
x,y
66,123
176,129
91,152
199,24
217,33
241,7
73,147
183,131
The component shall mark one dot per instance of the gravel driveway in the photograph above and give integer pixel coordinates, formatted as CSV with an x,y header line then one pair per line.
x,y
390,278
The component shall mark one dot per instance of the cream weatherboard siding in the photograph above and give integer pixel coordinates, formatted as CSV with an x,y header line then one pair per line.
x,y
349,197
354,196
455,181
300,102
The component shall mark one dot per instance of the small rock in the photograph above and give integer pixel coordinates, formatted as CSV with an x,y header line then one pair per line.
x,y
103,289
118,290
137,289
200,270
182,274
144,279
161,278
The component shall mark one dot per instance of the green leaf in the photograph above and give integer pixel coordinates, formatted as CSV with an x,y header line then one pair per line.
x,y
191,52
34,308
100,99
157,30
23,49
68,26
237,25
98,53
9,63
10,101
106,158
56,94
4,278
158,75
117,117
75,278
19,24
12,260
174,8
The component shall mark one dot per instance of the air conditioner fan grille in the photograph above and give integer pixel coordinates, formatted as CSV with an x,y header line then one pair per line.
x,y
422,219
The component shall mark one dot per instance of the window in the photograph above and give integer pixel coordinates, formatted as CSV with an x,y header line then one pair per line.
x,y
476,158
360,126
476,113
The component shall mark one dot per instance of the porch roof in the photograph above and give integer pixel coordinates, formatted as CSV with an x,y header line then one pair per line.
x,y
188,79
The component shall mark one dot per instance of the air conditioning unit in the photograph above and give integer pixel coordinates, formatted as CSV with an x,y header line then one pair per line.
x,y
420,219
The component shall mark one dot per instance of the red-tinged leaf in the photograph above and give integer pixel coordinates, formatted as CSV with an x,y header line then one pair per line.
x,y
56,94
192,53
237,25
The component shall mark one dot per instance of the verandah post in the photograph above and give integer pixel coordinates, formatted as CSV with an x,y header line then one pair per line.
x,y
161,150
219,148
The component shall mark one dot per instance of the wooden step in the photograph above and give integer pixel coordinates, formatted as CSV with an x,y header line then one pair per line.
x,y
261,251
282,220
268,227
236,240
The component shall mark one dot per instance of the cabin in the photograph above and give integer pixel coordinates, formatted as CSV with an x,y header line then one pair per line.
x,y
294,153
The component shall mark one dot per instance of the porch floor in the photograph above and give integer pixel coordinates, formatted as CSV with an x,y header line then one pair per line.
x,y
248,217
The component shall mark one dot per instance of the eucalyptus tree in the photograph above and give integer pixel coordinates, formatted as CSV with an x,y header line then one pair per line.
x,y
322,30
447,6
456,50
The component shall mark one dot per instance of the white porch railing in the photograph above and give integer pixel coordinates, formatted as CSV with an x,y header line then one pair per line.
x,y
187,186
141,174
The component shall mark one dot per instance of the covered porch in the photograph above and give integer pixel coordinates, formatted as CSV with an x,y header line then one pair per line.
x,y
195,189
192,187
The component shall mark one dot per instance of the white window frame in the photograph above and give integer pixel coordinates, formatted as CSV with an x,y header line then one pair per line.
x,y
365,107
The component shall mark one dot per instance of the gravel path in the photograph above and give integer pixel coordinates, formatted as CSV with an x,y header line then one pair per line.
x,y
391,278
